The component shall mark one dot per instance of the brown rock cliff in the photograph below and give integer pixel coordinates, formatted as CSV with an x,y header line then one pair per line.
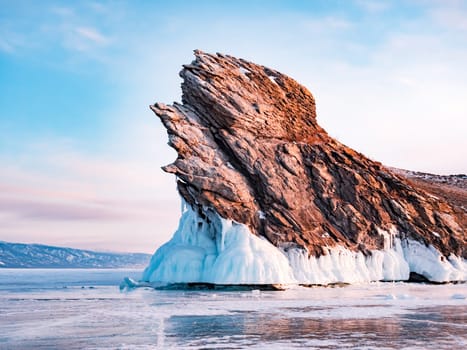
x,y
250,148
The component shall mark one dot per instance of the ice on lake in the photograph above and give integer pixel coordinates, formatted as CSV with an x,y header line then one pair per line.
x,y
84,309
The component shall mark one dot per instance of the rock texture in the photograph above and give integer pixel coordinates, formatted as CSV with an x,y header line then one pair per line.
x,y
250,148
451,188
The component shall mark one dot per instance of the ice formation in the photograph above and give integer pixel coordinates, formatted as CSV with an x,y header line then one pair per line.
x,y
211,249
215,250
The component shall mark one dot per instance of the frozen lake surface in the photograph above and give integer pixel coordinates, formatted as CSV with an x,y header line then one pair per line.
x,y
84,309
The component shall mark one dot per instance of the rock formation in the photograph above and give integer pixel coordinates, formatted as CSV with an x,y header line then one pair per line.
x,y
250,150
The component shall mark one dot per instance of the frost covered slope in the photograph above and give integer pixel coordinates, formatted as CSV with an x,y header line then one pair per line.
x,y
253,158
15,255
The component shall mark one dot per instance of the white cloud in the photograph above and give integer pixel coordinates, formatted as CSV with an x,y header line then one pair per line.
x,y
87,41
93,35
78,30
452,16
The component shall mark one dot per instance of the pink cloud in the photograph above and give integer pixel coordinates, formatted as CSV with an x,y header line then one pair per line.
x,y
41,210
37,204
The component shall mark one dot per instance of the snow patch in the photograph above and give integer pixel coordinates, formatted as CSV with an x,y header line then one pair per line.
x,y
244,71
215,250
273,79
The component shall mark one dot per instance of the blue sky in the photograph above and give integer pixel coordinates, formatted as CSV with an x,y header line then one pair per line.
x,y
81,152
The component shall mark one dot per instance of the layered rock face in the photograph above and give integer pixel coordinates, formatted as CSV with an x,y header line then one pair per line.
x,y
250,149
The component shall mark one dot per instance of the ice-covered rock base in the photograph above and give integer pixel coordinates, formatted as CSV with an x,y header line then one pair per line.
x,y
214,250
211,249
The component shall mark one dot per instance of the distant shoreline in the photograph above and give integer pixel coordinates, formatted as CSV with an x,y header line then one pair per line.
x,y
38,256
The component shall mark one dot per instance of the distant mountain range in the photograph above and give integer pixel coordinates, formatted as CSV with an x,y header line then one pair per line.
x,y
19,255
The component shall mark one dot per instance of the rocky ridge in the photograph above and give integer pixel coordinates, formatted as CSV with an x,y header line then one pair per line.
x,y
250,149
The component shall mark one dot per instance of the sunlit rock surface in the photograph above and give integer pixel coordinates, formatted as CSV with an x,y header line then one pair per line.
x,y
256,170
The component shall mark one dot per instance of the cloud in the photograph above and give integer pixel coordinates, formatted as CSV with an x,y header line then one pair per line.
x,y
35,204
88,41
92,35
55,193
26,209
453,18
59,35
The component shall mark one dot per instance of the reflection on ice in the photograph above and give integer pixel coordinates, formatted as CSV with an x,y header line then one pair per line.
x,y
378,315
253,329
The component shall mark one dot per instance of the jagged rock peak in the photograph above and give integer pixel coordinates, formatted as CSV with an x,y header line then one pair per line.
x,y
250,149
249,99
